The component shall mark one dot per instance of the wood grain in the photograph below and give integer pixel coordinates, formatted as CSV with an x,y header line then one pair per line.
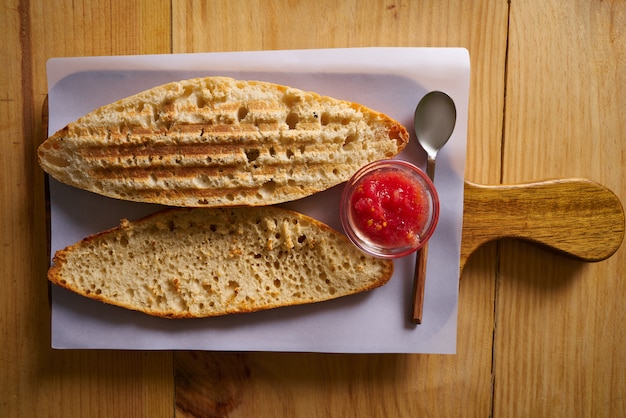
x,y
546,102
309,385
577,217
561,329
36,380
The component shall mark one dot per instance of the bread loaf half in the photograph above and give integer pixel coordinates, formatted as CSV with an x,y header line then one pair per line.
x,y
200,262
217,141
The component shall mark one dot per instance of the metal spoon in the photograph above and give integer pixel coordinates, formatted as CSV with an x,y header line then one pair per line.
x,y
435,117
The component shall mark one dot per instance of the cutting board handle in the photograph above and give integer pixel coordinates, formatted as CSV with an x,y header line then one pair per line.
x,y
577,217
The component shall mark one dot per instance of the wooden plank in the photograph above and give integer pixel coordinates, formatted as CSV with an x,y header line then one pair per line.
x,y
559,345
216,26
288,384
36,380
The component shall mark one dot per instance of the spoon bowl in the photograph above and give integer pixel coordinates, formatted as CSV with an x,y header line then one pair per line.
x,y
434,120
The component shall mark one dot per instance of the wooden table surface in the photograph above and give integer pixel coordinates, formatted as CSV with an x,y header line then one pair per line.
x,y
539,334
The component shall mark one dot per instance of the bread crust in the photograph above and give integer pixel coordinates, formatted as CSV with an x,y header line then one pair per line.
x,y
217,141
202,262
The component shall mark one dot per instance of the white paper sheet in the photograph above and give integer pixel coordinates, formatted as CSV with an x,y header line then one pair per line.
x,y
390,80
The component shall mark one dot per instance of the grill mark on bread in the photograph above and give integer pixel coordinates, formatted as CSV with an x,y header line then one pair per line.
x,y
237,146
231,171
222,155
232,174
158,151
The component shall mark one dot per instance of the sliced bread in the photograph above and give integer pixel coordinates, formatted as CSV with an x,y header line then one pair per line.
x,y
201,262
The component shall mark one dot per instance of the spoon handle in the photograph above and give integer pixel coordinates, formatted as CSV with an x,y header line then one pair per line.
x,y
419,282
430,166
419,278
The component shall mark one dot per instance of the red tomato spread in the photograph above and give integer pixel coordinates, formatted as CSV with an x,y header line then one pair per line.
x,y
389,208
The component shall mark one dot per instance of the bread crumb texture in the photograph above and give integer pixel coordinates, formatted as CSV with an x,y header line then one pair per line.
x,y
217,141
206,262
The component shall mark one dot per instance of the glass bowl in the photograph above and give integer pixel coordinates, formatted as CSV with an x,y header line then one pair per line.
x,y
389,208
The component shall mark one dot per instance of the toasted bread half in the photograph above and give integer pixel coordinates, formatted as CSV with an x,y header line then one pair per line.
x,y
217,141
